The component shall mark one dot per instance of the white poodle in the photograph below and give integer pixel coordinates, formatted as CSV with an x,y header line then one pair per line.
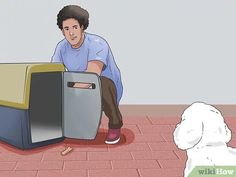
x,y
203,133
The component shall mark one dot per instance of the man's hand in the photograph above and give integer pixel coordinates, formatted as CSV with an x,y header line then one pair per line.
x,y
82,85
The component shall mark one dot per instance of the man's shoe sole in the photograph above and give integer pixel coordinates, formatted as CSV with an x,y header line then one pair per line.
x,y
112,142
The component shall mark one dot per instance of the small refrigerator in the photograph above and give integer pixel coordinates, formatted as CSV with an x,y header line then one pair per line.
x,y
39,105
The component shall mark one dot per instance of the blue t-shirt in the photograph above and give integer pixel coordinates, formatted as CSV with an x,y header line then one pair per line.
x,y
93,48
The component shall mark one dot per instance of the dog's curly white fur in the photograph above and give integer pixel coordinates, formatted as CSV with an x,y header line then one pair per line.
x,y
203,133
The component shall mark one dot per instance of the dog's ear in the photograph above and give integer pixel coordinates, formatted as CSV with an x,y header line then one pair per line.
x,y
188,134
228,134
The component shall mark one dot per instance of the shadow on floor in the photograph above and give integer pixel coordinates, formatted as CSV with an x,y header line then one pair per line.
x,y
127,137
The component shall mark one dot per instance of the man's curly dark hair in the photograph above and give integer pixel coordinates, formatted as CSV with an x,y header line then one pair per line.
x,y
73,11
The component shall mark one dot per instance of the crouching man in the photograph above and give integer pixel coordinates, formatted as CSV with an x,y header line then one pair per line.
x,y
84,52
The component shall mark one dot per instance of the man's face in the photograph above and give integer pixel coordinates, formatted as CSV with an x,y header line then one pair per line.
x,y
73,32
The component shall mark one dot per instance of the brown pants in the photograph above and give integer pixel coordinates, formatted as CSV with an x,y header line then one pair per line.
x,y
109,103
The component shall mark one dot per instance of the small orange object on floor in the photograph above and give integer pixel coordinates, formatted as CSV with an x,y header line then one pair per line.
x,y
66,151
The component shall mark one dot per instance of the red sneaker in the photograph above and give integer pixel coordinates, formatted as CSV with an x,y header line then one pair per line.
x,y
113,136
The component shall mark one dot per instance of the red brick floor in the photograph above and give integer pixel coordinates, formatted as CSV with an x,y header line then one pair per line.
x,y
146,149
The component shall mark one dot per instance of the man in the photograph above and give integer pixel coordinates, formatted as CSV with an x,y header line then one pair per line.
x,y
81,51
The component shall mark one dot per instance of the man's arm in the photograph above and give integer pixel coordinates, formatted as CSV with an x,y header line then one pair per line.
x,y
94,66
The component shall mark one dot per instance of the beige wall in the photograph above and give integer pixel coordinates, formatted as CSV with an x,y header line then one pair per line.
x,y
169,110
